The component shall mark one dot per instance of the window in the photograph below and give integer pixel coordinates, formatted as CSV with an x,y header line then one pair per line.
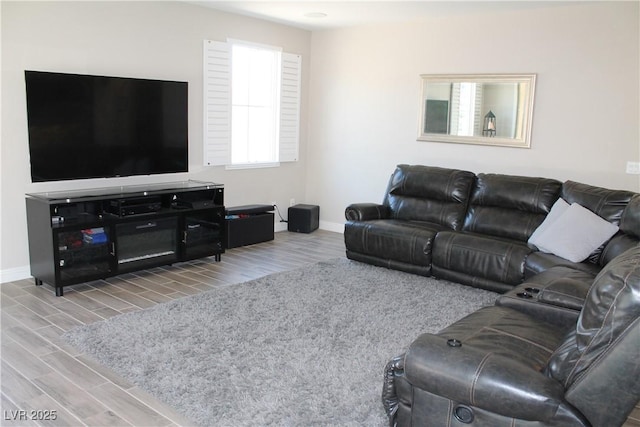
x,y
251,104
254,106
466,100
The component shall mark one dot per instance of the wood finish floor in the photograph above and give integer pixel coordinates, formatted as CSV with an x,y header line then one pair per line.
x,y
42,376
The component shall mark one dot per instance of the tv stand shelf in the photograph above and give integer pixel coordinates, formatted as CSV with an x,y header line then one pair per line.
x,y
81,235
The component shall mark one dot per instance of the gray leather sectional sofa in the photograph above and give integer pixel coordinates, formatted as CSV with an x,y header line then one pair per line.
x,y
502,367
561,346
474,229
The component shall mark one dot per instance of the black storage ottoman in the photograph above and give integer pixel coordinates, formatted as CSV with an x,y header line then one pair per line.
x,y
249,224
303,218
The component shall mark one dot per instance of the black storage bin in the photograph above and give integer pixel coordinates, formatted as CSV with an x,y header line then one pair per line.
x,y
249,224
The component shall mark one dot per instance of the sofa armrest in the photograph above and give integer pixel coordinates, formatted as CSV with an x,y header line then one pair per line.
x,y
366,211
390,401
481,378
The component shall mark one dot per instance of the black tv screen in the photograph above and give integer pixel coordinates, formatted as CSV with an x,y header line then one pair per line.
x,y
83,126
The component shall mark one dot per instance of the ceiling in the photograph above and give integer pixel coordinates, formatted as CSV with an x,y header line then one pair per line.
x,y
304,13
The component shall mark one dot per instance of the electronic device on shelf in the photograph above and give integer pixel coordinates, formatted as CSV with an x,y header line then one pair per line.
x,y
190,200
133,206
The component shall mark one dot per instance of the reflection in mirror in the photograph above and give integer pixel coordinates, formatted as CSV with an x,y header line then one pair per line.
x,y
477,109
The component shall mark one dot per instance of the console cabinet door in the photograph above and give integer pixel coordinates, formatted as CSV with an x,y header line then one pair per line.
x,y
203,233
83,254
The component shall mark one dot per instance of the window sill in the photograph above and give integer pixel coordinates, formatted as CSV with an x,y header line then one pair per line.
x,y
252,165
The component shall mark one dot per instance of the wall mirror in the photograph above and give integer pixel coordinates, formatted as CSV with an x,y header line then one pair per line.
x,y
482,109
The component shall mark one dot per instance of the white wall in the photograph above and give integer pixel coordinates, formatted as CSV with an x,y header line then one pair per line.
x,y
158,40
365,92
360,94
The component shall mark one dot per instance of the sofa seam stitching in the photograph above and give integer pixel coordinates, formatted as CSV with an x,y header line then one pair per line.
x,y
476,376
535,344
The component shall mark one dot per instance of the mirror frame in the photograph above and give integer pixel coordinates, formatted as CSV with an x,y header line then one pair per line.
x,y
524,141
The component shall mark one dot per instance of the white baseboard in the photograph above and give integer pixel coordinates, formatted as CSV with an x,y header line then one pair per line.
x,y
13,274
336,227
323,225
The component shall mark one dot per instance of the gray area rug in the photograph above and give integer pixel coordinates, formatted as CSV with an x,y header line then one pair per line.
x,y
299,348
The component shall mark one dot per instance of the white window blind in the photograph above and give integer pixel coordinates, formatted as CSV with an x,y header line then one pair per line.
x,y
217,103
218,106
290,107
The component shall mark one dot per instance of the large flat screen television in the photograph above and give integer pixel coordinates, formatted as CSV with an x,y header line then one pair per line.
x,y
83,126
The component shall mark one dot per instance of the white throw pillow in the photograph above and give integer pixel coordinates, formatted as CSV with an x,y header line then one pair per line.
x,y
556,211
576,234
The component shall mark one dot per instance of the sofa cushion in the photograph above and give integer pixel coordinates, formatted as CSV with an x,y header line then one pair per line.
x,y
478,260
429,194
407,241
575,234
510,206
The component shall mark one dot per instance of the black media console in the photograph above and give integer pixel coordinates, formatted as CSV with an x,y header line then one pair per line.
x,y
82,235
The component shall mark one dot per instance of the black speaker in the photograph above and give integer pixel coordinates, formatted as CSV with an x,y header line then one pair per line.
x,y
303,218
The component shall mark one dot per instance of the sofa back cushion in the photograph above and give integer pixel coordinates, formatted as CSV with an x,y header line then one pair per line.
x,y
606,203
510,206
630,222
599,359
629,234
431,194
